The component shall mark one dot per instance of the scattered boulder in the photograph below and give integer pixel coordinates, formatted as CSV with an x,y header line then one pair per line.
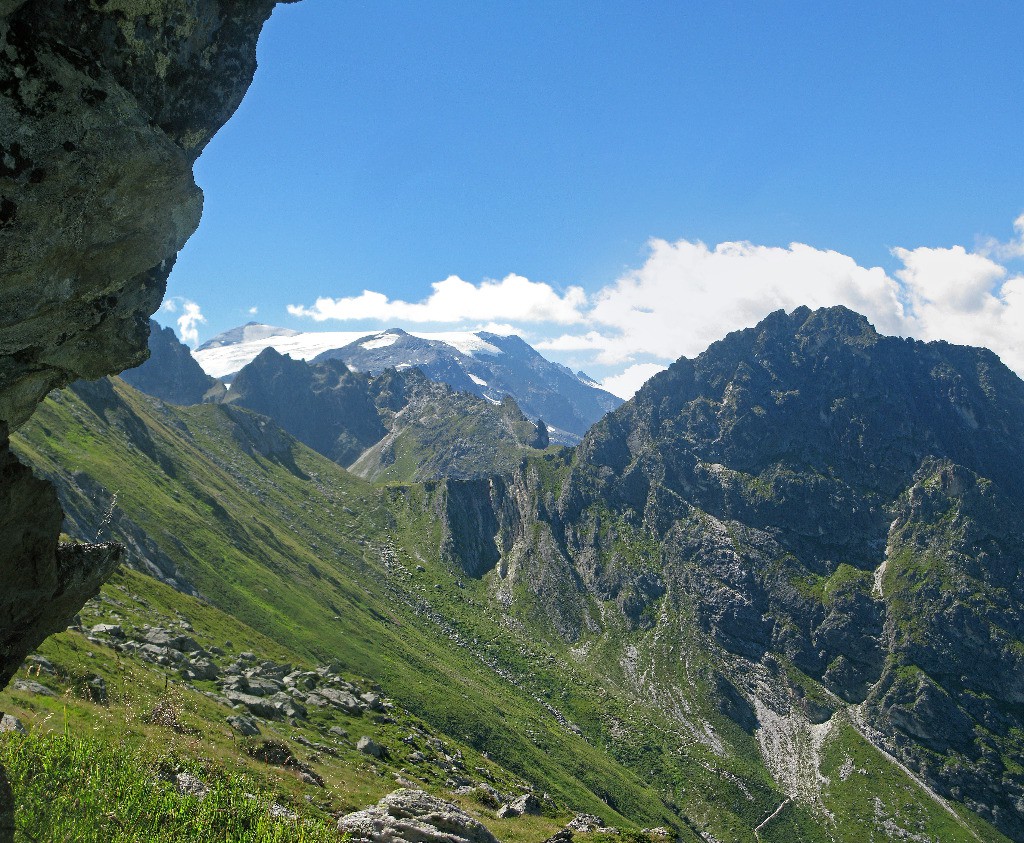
x,y
95,689
487,795
31,687
582,823
525,804
200,669
255,705
278,754
165,656
279,812
412,815
10,723
40,664
370,747
190,785
111,630
563,836
172,640
373,701
262,687
333,698
245,726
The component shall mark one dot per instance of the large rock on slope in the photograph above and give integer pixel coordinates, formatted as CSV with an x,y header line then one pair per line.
x,y
412,816
104,106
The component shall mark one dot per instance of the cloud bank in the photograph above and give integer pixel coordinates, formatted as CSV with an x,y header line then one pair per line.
x,y
454,300
189,320
687,294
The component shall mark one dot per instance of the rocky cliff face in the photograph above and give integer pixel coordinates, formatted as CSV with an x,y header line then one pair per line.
x,y
850,503
104,107
171,374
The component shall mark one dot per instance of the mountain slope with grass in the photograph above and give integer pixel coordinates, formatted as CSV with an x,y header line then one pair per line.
x,y
463,602
397,425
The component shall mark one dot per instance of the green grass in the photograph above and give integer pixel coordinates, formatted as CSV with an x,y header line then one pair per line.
x,y
84,790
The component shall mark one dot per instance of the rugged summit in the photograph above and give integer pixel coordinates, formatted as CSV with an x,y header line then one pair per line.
x,y
487,365
851,503
171,373
498,366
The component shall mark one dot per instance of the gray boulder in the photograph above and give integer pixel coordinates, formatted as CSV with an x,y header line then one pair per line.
x,y
245,726
10,723
32,688
111,630
370,747
412,816
173,640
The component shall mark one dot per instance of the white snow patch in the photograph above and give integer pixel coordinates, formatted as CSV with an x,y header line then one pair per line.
x,y
476,380
463,341
379,341
228,359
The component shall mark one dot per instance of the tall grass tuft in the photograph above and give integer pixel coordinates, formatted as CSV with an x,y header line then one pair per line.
x,y
80,790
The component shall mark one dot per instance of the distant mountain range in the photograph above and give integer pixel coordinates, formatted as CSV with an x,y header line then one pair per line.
x,y
483,364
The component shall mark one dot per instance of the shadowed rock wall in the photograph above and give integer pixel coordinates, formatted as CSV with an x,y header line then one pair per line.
x,y
104,107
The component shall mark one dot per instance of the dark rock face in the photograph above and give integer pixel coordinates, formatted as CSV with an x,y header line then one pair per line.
x,y
326,406
103,109
45,583
171,373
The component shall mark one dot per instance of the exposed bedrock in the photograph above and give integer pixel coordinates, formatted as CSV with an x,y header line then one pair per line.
x,y
104,107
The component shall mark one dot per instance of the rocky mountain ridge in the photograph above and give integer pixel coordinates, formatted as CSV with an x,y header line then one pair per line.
x,y
812,491
487,365
397,425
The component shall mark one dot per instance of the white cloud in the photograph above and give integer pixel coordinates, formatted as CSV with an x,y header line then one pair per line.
x,y
189,321
687,295
964,298
626,383
253,311
454,300
990,247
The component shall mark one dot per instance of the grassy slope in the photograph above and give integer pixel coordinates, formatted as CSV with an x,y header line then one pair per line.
x,y
326,566
296,552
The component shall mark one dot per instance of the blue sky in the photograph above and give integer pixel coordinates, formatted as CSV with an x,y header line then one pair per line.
x,y
640,170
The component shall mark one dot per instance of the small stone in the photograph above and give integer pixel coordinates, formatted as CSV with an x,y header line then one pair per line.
x,y
111,630
32,688
279,812
190,785
10,723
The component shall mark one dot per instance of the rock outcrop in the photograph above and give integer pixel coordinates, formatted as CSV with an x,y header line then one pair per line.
x,y
104,107
171,373
412,815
